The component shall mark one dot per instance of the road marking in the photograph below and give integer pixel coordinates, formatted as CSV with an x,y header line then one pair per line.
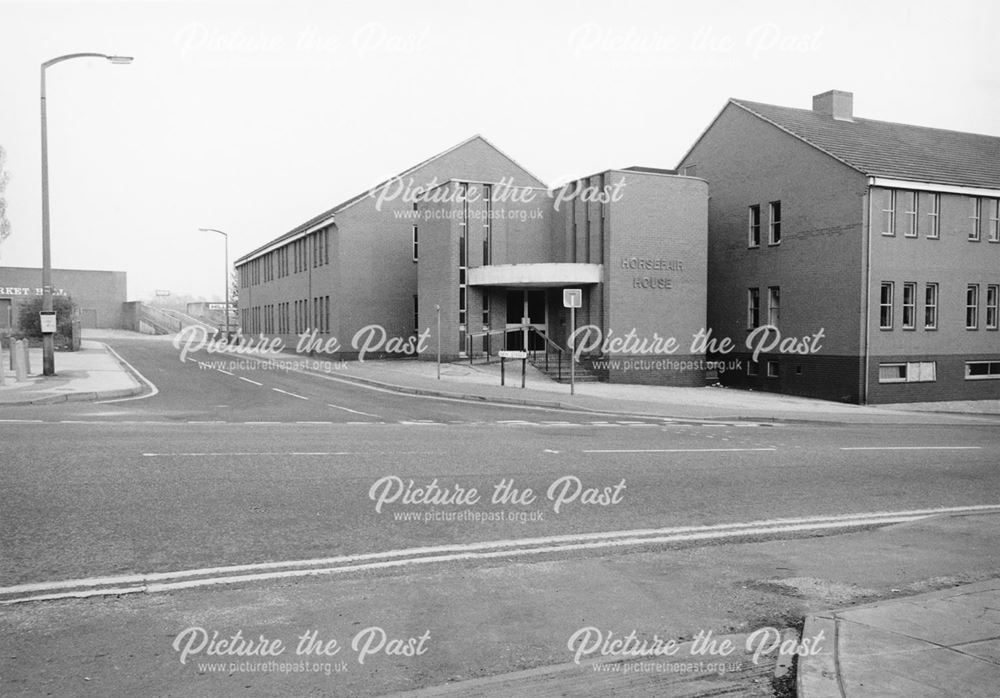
x,y
24,421
676,450
153,390
323,423
199,454
285,392
911,448
249,381
348,409
461,552
222,370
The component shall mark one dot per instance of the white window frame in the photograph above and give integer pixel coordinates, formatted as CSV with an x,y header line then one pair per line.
x,y
976,217
773,370
773,224
972,306
931,306
909,288
934,214
882,304
913,372
891,232
992,306
910,215
753,308
993,370
773,305
993,211
753,229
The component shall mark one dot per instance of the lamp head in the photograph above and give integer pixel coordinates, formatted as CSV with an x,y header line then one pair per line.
x,y
120,60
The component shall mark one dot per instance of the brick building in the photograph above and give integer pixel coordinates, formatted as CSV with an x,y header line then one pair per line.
x,y
98,295
473,235
884,236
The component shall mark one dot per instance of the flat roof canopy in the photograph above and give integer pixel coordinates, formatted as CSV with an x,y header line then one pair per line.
x,y
542,275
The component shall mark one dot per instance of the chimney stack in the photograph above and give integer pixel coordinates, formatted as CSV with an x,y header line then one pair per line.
x,y
835,103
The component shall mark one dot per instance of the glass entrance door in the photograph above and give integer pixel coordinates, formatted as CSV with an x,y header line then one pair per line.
x,y
528,303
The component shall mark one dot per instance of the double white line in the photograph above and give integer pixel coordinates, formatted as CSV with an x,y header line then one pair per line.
x,y
235,574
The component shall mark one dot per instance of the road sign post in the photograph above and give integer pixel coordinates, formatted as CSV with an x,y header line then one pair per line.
x,y
572,299
504,355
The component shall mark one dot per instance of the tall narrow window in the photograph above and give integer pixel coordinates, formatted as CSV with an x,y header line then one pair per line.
x,y
773,305
993,228
753,308
909,208
753,234
909,305
463,264
774,224
415,255
992,301
488,225
930,306
975,216
416,314
887,203
885,306
933,216
972,307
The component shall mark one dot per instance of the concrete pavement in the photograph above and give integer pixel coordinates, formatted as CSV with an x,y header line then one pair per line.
x,y
940,644
92,373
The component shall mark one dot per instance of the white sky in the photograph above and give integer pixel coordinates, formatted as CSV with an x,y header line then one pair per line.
x,y
252,117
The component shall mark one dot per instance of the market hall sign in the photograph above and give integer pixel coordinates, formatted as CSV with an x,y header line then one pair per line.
x,y
22,291
654,264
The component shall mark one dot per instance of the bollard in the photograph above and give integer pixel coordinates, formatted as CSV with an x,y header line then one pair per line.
x,y
3,369
20,370
27,358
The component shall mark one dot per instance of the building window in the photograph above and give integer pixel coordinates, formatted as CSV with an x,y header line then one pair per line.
x,y
753,233
773,305
930,306
486,309
992,293
753,368
909,306
888,209
972,307
993,211
911,372
753,308
463,264
415,256
488,225
772,369
933,206
975,217
909,206
885,306
416,314
774,225
982,370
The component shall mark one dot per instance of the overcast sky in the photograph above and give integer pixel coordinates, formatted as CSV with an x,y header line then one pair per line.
x,y
252,117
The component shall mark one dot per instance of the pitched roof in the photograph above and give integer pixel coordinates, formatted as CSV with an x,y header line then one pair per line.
x,y
329,214
891,150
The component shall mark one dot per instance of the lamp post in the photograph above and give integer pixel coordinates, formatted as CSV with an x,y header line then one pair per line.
x,y
48,343
213,230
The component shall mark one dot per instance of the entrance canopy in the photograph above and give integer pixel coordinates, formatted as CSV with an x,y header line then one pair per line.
x,y
542,275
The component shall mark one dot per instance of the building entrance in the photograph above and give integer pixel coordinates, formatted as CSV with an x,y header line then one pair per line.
x,y
529,303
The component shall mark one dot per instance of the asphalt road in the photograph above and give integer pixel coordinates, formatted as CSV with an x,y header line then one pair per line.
x,y
254,465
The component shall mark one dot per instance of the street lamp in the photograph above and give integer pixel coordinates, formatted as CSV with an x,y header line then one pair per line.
x,y
48,343
213,230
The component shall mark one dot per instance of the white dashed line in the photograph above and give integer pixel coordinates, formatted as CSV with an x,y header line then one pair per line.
x,y
285,392
222,370
249,381
911,448
677,450
348,409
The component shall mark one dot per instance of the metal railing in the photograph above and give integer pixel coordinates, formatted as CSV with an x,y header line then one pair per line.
x,y
549,347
